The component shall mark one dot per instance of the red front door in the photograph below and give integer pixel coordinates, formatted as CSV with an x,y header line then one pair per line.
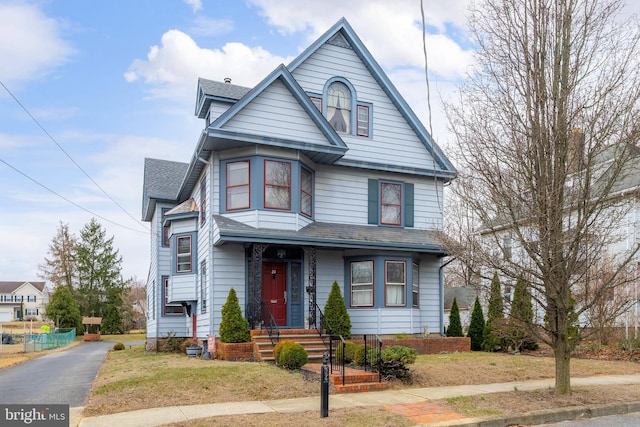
x,y
274,290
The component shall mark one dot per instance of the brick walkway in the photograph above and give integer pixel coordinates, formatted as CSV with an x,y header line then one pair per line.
x,y
424,412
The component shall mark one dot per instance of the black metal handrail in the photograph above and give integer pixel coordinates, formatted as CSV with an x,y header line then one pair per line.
x,y
324,324
261,316
337,348
373,354
271,326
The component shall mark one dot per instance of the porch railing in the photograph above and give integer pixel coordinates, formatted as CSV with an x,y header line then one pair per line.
x,y
373,354
337,346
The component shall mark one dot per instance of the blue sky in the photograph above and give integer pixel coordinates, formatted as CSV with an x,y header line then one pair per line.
x,y
112,82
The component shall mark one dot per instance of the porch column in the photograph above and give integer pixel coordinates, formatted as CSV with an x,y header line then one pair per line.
x,y
310,255
254,307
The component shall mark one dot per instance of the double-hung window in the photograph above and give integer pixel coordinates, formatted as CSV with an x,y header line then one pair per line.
x,y
165,230
170,309
362,118
183,254
31,298
390,203
238,185
306,192
277,185
395,281
362,284
415,284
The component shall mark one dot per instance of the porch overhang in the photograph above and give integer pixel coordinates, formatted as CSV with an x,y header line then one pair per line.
x,y
330,235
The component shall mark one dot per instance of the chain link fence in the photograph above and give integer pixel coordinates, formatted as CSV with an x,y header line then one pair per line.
x,y
48,341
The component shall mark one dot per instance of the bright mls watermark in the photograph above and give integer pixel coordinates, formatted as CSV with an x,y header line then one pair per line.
x,y
34,415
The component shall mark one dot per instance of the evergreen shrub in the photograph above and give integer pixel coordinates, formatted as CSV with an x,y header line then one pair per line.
x,y
400,353
234,328
337,318
455,325
476,327
293,356
348,348
359,355
118,346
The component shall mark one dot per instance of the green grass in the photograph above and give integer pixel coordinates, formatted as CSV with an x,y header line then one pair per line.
x,y
466,406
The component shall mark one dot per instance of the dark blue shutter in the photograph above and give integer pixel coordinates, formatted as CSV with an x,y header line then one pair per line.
x,y
408,205
373,201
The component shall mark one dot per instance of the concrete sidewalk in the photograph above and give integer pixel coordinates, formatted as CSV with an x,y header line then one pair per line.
x,y
389,398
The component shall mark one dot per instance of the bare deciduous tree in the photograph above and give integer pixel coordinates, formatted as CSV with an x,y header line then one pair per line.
x,y
546,127
61,268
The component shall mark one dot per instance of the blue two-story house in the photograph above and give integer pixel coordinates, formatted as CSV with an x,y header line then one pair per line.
x,y
319,173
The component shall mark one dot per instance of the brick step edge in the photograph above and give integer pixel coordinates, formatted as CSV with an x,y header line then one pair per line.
x,y
355,379
360,387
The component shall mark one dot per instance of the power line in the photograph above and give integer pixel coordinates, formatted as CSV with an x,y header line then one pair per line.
x,y
66,199
66,154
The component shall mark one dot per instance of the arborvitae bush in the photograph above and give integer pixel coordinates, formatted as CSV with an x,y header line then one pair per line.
x,y
406,355
476,327
349,349
293,356
455,325
491,340
521,316
335,313
233,326
118,346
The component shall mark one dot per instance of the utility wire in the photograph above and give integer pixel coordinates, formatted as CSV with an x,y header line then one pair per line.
x,y
66,154
426,76
66,199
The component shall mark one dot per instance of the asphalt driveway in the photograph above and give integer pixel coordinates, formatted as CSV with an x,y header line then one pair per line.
x,y
63,377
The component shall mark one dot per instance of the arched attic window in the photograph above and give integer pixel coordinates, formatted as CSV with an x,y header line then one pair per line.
x,y
339,107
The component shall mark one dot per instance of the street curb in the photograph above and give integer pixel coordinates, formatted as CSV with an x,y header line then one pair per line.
x,y
549,415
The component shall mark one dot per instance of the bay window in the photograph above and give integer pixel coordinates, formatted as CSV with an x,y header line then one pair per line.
x,y
277,185
395,280
362,284
238,185
183,254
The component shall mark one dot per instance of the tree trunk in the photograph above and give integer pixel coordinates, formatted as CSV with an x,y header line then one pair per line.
x,y
563,372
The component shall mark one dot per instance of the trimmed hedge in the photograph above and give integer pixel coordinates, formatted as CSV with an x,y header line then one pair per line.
x,y
293,356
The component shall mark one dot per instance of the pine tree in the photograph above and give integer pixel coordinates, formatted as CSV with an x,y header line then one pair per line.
x,y
63,310
335,313
99,280
490,339
455,325
476,327
234,328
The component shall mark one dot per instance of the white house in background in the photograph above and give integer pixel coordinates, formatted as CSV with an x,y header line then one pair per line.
x,y
319,173
30,297
620,243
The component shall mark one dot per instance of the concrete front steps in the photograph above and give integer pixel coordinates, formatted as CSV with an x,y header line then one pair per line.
x,y
309,338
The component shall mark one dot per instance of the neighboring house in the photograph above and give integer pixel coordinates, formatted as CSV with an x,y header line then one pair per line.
x,y
319,173
465,297
600,255
30,297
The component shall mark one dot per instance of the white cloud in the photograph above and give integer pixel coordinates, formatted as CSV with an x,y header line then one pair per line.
x,y
31,44
173,67
391,30
204,26
196,5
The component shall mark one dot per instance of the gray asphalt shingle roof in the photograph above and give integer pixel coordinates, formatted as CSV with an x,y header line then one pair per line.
x,y
335,235
8,287
222,90
162,181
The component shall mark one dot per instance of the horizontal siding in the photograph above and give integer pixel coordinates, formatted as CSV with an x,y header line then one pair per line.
x,y
430,295
229,271
276,113
182,287
393,142
348,189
